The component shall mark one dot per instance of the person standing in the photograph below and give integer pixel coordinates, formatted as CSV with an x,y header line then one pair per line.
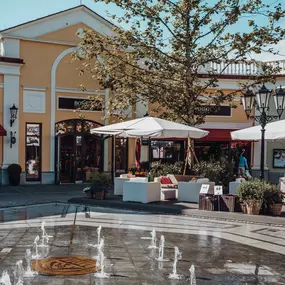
x,y
242,165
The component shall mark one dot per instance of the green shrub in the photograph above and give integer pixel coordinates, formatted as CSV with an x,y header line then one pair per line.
x,y
252,190
162,169
100,179
273,195
220,172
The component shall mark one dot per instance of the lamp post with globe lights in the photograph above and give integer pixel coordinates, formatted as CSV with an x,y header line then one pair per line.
x,y
261,100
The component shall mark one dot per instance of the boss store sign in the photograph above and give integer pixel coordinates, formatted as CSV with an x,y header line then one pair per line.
x,y
74,104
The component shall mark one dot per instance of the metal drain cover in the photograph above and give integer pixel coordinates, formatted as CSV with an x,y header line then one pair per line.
x,y
68,265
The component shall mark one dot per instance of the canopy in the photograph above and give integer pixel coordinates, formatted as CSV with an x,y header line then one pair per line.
x,y
274,131
150,127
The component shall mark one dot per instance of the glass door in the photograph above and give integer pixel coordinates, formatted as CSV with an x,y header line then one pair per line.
x,y
67,159
78,159
91,156
57,160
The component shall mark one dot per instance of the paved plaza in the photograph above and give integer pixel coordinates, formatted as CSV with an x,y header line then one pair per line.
x,y
223,252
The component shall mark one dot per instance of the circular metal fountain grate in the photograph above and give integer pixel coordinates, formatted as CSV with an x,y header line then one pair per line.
x,y
68,265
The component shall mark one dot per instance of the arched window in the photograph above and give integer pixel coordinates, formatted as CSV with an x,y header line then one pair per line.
x,y
75,126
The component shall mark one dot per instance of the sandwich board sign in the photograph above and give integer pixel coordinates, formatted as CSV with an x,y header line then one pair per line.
x,y
204,189
218,190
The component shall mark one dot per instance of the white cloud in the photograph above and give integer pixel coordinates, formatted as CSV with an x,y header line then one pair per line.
x,y
266,56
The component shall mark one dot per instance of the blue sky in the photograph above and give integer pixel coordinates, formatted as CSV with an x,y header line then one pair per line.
x,y
14,12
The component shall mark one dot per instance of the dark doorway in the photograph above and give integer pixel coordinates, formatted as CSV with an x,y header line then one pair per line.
x,y
79,154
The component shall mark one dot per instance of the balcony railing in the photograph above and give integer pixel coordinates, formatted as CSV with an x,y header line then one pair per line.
x,y
242,68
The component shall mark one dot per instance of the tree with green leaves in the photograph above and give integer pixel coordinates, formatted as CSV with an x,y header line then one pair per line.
x,y
162,52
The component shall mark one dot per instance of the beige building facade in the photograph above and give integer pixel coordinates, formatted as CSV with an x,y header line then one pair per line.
x,y
52,144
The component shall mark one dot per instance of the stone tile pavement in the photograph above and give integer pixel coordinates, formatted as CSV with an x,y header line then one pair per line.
x,y
35,194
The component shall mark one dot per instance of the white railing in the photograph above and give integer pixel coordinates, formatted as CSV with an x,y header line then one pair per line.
x,y
241,68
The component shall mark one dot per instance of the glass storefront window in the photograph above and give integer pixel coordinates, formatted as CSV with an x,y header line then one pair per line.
x,y
121,155
211,150
90,125
33,152
167,151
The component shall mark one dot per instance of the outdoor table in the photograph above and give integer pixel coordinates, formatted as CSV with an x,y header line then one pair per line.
x,y
140,191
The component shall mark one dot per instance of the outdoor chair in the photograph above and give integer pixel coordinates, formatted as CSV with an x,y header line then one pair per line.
x,y
189,191
137,190
168,187
119,183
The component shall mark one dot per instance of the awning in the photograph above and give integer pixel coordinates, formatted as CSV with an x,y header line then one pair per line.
x,y
3,132
217,135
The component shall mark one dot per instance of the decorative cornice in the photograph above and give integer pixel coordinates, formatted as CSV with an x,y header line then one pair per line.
x,y
226,125
34,88
11,60
72,44
7,68
78,91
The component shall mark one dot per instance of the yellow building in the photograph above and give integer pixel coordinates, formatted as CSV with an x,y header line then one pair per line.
x,y
52,144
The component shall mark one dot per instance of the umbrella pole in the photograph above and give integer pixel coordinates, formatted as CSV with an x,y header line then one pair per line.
x,y
149,154
114,157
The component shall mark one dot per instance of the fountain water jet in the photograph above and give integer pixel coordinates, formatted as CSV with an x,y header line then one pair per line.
x,y
161,249
29,272
101,262
36,255
98,237
153,239
20,272
45,236
192,275
5,279
177,256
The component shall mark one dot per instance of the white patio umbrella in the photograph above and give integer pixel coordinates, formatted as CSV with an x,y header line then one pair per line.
x,y
151,127
274,131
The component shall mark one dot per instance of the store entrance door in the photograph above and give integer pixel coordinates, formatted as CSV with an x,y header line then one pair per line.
x,y
78,153
67,159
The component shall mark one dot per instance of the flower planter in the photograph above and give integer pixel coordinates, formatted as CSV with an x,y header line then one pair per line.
x,y
243,208
275,209
100,195
253,207
89,194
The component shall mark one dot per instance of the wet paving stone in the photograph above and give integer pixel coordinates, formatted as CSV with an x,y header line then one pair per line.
x,y
129,261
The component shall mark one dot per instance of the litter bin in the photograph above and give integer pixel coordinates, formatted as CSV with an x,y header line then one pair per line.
x,y
230,203
209,202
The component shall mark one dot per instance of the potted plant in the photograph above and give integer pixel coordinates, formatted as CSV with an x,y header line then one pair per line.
x,y
100,184
14,173
274,200
251,194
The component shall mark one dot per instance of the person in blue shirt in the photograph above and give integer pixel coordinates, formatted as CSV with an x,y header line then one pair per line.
x,y
242,165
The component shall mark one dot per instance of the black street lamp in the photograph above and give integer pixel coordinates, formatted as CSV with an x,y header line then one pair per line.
x,y
261,100
13,114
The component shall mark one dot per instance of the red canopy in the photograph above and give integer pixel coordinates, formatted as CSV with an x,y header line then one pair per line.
x,y
3,132
217,135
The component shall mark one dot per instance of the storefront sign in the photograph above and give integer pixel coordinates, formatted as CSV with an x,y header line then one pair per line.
x,y
204,189
76,103
144,141
211,110
218,190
